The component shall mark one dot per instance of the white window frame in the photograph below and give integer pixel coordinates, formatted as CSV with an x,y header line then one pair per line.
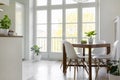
x,y
64,7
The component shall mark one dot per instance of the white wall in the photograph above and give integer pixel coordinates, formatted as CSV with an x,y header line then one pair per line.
x,y
109,9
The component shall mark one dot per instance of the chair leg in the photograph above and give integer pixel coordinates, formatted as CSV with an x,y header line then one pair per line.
x,y
61,65
74,72
95,62
85,66
97,69
70,61
77,64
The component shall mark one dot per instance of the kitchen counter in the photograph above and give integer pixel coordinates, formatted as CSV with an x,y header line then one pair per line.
x,y
1,35
11,49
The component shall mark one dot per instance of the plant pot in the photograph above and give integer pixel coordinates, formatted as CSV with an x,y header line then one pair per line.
x,y
90,40
4,31
114,77
83,42
37,57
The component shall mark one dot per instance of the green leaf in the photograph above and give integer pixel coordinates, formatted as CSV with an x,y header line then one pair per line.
x,y
35,49
5,23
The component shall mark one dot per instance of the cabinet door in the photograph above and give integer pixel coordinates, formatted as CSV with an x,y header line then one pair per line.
x,y
10,58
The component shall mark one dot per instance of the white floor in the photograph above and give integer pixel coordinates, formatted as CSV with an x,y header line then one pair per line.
x,y
50,70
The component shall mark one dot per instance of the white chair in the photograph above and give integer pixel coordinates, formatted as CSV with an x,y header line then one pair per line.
x,y
112,55
103,58
72,58
99,51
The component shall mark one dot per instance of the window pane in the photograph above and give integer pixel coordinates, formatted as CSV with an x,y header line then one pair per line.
x,y
70,2
71,30
42,42
56,30
88,14
41,30
42,37
41,16
56,2
87,1
41,2
87,27
56,16
91,0
72,39
71,16
56,45
19,19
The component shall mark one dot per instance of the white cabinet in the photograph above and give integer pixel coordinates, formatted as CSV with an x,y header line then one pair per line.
x,y
4,2
10,58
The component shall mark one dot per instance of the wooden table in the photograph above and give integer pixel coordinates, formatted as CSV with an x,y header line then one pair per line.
x,y
83,46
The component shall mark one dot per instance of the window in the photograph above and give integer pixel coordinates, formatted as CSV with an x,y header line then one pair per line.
x,y
56,2
41,2
63,19
42,29
88,19
19,19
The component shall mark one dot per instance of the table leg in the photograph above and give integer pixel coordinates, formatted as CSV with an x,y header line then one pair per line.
x,y
64,60
84,53
90,67
108,50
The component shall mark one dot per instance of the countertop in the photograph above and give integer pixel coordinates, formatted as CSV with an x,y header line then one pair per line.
x,y
1,35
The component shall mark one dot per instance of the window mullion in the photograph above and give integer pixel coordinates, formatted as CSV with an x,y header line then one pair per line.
x,y
79,23
64,8
49,27
64,16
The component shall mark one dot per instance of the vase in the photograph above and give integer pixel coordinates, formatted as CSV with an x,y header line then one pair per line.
x,y
4,31
37,58
90,40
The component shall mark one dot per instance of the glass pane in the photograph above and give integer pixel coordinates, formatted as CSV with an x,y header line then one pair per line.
x,y
19,19
84,1
56,16
71,30
41,30
56,30
88,14
91,0
41,16
42,42
41,2
71,16
56,44
72,40
70,2
56,2
87,27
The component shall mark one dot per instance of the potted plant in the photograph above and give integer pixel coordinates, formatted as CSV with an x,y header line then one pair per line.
x,y
83,41
90,35
114,69
36,52
5,24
